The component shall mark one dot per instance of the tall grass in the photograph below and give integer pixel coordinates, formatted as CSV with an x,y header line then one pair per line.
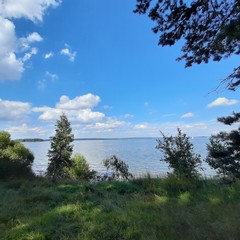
x,y
146,208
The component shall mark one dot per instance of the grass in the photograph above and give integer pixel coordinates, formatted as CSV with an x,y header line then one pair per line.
x,y
141,209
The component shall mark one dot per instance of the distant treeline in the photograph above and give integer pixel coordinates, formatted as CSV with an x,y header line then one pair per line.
x,y
31,140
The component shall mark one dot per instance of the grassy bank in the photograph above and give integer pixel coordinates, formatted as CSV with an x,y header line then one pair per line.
x,y
142,209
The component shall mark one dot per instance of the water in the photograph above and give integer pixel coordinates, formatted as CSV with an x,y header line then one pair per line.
x,y
140,154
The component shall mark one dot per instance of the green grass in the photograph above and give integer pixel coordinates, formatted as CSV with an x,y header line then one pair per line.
x,y
142,209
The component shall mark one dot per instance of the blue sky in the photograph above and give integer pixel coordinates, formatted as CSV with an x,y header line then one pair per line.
x,y
99,63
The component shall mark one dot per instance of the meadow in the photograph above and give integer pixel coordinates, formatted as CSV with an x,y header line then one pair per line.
x,y
143,208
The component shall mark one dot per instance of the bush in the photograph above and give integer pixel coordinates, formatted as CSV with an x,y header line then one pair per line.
x,y
119,169
15,159
178,153
80,169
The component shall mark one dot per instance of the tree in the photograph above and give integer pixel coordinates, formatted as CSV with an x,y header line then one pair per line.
x,y
119,168
178,153
210,28
15,159
61,149
224,149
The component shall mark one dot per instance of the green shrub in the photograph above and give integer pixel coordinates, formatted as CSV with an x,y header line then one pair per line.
x,y
15,159
178,153
80,169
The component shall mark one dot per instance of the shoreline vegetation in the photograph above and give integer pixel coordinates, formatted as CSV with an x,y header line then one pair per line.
x,y
73,202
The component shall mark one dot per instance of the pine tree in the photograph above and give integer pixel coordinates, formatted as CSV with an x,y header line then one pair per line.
x,y
61,149
224,150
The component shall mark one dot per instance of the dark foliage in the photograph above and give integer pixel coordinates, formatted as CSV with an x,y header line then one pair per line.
x,y
211,29
224,150
61,149
178,153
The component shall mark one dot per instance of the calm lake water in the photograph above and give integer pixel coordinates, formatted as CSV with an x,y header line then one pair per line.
x,y
140,154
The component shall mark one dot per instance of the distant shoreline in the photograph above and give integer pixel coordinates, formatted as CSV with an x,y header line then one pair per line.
x,y
94,139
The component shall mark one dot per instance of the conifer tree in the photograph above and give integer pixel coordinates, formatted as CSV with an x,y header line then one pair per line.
x,y
61,149
224,149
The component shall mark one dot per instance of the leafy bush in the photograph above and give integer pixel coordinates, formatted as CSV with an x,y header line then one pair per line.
x,y
80,169
15,159
178,153
119,169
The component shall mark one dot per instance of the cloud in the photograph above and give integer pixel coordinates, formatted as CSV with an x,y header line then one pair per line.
x,y
16,51
146,104
12,110
141,126
25,129
67,52
32,10
128,116
52,76
10,66
85,101
34,37
109,125
106,107
78,109
48,55
187,115
42,84
28,55
48,113
199,126
86,115
222,101
169,115
25,42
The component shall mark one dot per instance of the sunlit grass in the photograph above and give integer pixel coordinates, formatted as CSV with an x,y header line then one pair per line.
x,y
142,209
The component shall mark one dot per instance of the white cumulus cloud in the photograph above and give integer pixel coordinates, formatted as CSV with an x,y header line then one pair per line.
x,y
79,109
110,124
222,101
25,129
87,115
11,47
29,9
13,110
24,43
85,101
10,66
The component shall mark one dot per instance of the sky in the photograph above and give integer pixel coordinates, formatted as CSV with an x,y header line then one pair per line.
x,y
101,65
